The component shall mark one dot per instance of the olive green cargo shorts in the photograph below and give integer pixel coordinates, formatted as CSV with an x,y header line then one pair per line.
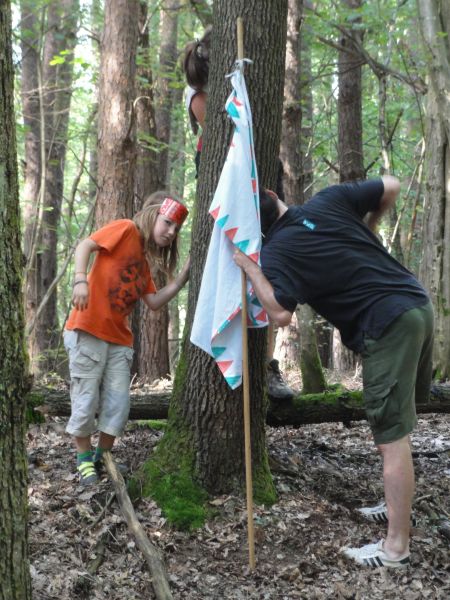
x,y
397,371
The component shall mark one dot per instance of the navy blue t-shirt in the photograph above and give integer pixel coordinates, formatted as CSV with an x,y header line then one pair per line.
x,y
323,254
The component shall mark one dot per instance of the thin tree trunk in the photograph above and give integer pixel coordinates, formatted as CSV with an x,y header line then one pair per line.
x,y
303,341
350,146
30,42
57,81
164,96
116,137
435,264
151,359
14,568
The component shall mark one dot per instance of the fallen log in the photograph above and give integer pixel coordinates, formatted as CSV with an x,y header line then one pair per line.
x,y
329,407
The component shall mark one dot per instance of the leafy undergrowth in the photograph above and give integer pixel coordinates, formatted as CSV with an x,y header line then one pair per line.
x,y
322,473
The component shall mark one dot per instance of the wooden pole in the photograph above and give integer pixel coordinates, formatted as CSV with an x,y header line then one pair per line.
x,y
245,381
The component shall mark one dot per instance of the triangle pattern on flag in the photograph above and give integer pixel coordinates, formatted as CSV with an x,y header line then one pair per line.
x,y
217,350
254,256
230,233
243,245
232,110
214,213
232,381
261,316
224,364
221,222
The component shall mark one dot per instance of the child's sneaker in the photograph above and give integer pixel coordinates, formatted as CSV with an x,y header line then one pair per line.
x,y
373,555
88,474
378,514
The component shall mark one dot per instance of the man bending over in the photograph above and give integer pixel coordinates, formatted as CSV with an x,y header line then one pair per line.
x,y
327,255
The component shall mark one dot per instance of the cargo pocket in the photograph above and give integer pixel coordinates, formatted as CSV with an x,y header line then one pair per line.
x,y
85,361
378,405
129,353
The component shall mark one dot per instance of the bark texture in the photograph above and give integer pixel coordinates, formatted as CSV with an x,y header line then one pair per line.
x,y
14,567
46,93
116,137
150,328
165,91
435,265
205,424
350,141
304,340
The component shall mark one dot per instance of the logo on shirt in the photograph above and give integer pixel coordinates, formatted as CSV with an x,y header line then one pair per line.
x,y
129,288
309,224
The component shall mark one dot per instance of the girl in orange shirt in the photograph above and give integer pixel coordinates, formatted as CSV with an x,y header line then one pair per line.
x,y
97,336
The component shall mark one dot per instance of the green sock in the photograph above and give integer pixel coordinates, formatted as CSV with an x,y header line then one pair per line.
x,y
84,456
98,454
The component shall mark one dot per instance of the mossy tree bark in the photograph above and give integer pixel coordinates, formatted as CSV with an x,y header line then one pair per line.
x,y
14,568
313,379
205,426
435,265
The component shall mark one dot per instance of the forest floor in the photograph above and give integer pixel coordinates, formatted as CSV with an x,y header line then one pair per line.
x,y
322,474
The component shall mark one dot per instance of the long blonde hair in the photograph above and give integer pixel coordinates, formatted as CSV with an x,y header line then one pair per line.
x,y
162,259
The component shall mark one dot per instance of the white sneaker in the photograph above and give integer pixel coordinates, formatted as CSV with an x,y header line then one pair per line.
x,y
378,514
373,555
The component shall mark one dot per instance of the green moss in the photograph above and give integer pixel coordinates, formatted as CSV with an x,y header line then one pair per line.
x,y
34,399
159,424
330,397
168,475
263,487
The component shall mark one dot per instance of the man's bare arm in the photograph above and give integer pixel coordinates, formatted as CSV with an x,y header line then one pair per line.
x,y
263,289
391,191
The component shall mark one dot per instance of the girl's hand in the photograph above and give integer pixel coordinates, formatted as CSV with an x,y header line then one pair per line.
x,y
80,295
183,275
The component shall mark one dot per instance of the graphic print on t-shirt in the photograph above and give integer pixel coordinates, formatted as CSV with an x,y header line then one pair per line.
x,y
127,287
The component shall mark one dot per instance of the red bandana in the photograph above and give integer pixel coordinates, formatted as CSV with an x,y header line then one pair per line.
x,y
174,211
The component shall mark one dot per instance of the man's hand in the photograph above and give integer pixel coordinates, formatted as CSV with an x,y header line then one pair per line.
x,y
243,261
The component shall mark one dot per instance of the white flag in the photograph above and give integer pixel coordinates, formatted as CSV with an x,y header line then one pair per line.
x,y
235,209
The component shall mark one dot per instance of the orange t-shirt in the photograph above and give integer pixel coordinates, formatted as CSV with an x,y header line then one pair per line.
x,y
119,277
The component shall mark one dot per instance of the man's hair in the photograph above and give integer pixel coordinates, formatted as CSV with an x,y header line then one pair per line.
x,y
269,210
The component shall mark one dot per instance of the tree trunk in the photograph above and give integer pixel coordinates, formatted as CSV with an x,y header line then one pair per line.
x,y
30,84
151,360
435,265
302,410
116,138
350,146
14,567
46,110
205,428
165,92
57,81
290,153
